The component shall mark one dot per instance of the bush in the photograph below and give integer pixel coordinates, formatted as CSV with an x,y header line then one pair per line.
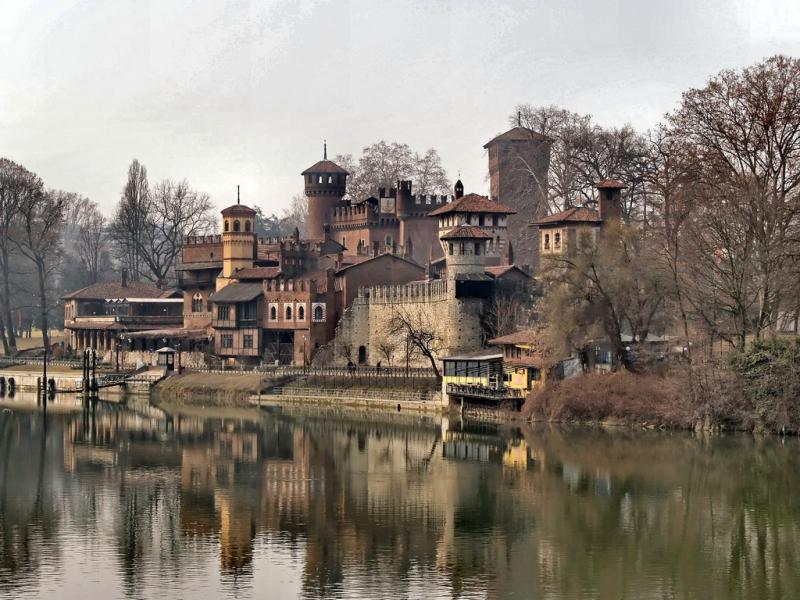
x,y
770,374
623,396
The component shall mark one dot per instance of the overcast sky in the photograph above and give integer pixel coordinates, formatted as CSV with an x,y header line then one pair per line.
x,y
227,93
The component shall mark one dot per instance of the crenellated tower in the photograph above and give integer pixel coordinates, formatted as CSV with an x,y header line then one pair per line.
x,y
325,185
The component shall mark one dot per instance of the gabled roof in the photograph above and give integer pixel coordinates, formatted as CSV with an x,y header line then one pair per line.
x,y
237,292
526,336
501,270
473,203
518,134
576,214
115,289
384,256
324,166
466,232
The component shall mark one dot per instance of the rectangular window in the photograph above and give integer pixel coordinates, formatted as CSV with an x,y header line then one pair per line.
x,y
223,312
226,339
247,340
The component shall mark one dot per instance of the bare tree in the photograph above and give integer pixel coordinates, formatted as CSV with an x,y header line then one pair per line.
x,y
382,164
130,219
416,326
90,242
18,186
41,216
296,215
742,134
174,211
386,348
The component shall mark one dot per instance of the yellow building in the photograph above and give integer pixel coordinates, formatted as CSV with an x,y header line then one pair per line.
x,y
483,368
524,359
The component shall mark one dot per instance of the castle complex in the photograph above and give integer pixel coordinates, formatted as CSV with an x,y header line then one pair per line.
x,y
432,258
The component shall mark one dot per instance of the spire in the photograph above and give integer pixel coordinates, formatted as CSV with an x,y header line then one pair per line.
x,y
238,201
324,149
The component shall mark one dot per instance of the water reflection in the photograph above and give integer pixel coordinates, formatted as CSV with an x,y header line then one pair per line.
x,y
136,502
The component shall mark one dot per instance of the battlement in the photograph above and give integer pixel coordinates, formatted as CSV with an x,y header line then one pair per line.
x,y
353,212
289,285
202,239
432,200
422,291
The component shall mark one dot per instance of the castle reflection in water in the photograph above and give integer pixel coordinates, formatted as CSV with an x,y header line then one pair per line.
x,y
395,503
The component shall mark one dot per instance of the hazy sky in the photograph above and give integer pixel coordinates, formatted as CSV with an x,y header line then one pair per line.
x,y
226,93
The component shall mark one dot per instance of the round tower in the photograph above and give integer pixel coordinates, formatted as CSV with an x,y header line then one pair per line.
x,y
464,250
325,185
458,189
238,240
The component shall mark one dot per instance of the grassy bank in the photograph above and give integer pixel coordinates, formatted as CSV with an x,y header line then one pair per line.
x,y
209,389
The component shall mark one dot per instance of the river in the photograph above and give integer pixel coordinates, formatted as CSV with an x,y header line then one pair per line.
x,y
138,502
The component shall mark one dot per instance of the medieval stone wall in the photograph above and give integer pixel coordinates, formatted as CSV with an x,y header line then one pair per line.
x,y
431,306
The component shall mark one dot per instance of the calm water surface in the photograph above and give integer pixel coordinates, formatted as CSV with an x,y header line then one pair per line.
x,y
136,502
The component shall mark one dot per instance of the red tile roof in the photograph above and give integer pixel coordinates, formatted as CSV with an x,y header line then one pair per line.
x,y
257,273
238,209
473,203
114,289
526,336
576,214
518,134
324,166
466,232
501,270
614,184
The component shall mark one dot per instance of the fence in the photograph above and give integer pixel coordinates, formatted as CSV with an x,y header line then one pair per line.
x,y
350,394
360,372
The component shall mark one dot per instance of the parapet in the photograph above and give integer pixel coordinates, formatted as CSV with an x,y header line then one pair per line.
x,y
202,239
421,291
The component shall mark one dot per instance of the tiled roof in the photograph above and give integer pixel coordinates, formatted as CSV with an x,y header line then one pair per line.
x,y
473,203
238,209
199,266
614,184
501,270
324,166
237,292
466,232
572,215
380,257
257,273
518,134
115,289
526,336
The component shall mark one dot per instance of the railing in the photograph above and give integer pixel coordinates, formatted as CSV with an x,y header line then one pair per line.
x,y
480,391
359,371
346,394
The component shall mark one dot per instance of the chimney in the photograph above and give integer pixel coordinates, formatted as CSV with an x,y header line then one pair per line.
x,y
124,278
610,204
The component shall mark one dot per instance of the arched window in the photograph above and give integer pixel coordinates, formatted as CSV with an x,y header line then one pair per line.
x,y
289,312
227,226
557,241
477,248
320,179
450,248
546,241
319,314
330,179
197,303
273,313
301,313
236,225
247,225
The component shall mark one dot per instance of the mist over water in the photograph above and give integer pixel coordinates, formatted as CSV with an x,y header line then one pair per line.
x,y
135,502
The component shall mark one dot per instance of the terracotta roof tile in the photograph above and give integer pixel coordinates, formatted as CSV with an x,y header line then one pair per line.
x,y
473,203
238,209
324,166
526,336
466,232
257,273
572,215
499,271
115,289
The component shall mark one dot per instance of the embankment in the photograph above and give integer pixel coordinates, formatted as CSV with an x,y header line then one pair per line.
x,y
209,389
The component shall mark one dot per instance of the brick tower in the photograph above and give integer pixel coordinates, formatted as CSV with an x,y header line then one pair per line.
x,y
238,240
518,164
325,185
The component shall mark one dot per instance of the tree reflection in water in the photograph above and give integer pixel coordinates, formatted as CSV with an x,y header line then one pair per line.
x,y
331,507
